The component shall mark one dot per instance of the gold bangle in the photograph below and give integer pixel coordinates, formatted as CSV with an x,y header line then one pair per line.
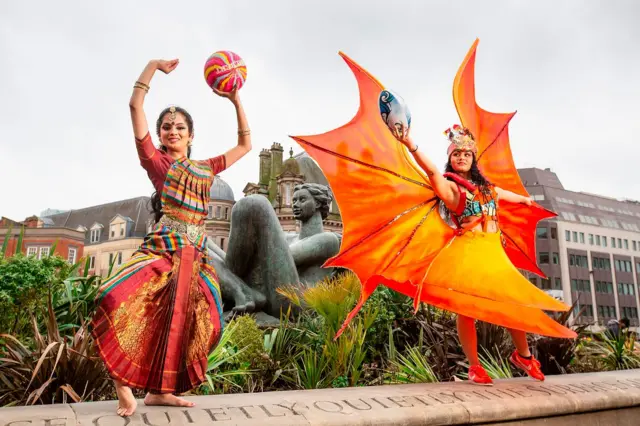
x,y
143,84
137,86
244,132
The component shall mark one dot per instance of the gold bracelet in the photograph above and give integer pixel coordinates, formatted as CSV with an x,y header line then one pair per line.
x,y
137,86
143,84
246,132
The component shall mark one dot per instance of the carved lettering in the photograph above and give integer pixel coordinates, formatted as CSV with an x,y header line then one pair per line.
x,y
465,396
214,412
293,409
269,413
605,385
48,422
521,392
538,389
449,394
336,407
376,400
244,411
570,389
423,399
114,420
145,418
188,416
358,405
400,400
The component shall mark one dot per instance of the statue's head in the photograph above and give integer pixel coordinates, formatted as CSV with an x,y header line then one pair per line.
x,y
310,198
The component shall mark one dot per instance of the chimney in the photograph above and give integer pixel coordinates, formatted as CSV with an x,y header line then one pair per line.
x,y
276,169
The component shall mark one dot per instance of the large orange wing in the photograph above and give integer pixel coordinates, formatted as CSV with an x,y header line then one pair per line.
x,y
518,222
392,226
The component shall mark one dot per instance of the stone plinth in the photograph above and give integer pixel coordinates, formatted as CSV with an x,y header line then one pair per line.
x,y
585,399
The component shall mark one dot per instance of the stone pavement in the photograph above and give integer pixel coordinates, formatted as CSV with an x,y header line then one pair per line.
x,y
611,398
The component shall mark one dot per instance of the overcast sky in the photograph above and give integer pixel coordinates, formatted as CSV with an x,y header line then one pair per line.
x,y
570,68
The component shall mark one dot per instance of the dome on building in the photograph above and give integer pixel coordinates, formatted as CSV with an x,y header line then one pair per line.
x,y
220,190
291,165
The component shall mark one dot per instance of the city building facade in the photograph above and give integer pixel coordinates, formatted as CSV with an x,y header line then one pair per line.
x,y
590,251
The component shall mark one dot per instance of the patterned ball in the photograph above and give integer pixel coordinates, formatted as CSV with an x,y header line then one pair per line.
x,y
395,113
223,69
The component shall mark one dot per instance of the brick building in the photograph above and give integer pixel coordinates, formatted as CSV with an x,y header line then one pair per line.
x,y
39,237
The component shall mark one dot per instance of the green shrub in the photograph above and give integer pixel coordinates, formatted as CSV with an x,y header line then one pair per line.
x,y
248,338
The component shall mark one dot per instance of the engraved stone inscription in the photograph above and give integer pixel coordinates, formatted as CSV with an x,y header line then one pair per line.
x,y
345,404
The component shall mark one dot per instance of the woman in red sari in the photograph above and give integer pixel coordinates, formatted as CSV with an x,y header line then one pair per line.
x,y
160,314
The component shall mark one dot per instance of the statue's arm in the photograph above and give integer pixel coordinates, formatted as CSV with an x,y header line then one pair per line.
x,y
315,249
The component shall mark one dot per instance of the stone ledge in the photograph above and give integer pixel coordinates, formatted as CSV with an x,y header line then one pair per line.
x,y
515,402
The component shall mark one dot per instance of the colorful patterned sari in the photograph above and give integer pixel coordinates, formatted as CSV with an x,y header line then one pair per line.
x,y
160,314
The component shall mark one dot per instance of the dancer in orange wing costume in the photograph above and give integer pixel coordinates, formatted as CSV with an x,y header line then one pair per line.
x,y
395,236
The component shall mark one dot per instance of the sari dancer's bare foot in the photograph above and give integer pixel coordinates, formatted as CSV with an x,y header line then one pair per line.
x,y
127,403
166,399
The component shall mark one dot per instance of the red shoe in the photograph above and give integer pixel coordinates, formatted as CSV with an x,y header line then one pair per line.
x,y
479,376
530,366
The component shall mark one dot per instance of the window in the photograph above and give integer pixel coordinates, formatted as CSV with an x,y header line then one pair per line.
x,y
32,251
589,310
604,287
119,258
92,262
44,252
575,237
226,213
597,240
567,235
581,285
627,266
613,242
287,194
617,265
544,258
122,229
604,241
619,242
112,229
210,212
545,284
95,235
626,244
591,239
218,212
110,259
222,243
555,258
554,233
542,233
558,284
582,237
635,247
71,256
534,280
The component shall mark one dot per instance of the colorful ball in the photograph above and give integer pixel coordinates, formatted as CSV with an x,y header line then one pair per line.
x,y
395,113
223,70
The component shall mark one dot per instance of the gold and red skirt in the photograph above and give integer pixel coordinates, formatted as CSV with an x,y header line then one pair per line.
x,y
157,319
